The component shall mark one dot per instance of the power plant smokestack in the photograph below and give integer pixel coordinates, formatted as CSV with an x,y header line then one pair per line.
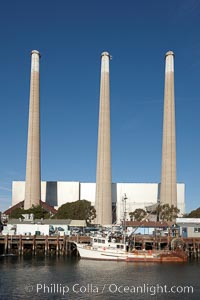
x,y
168,188
103,202
33,177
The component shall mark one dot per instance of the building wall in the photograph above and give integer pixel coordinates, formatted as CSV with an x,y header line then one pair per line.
x,y
54,193
67,192
87,192
189,227
190,232
139,195
30,229
18,192
181,197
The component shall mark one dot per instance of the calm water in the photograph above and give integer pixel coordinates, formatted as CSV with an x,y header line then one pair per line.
x,y
63,278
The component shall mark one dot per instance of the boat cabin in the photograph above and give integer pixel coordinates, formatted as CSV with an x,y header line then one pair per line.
x,y
104,243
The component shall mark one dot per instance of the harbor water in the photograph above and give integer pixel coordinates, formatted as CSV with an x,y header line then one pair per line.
x,y
66,278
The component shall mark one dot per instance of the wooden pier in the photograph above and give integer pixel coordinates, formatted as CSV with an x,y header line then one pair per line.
x,y
38,245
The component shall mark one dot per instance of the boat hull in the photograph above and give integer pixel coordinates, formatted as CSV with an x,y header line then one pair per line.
x,y
87,252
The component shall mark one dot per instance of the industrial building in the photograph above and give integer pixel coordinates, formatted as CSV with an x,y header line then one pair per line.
x,y
139,195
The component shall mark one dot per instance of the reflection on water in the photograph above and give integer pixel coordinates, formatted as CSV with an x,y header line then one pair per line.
x,y
64,278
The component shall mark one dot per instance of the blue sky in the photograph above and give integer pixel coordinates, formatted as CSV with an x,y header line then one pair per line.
x,y
71,36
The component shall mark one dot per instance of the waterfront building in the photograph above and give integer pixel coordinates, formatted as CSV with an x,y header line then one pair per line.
x,y
189,227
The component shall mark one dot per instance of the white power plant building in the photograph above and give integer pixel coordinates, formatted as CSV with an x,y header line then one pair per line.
x,y
139,195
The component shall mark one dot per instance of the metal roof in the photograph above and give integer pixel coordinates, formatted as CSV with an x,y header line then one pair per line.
x,y
191,221
74,223
40,221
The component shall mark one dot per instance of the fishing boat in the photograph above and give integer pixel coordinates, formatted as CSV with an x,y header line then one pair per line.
x,y
103,248
108,248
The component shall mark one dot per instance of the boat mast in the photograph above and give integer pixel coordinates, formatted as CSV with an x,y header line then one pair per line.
x,y
124,217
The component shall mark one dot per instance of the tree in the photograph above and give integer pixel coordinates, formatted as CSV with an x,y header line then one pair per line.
x,y
167,213
194,213
78,210
16,213
139,214
38,212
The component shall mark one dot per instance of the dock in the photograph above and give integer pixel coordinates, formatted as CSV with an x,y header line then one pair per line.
x,y
38,245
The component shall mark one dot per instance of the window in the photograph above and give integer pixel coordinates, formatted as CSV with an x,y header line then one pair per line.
x,y
196,229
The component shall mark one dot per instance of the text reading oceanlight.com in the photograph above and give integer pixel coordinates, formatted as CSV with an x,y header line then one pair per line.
x,y
111,288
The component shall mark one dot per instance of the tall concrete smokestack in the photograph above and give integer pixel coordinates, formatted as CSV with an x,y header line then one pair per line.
x,y
168,188
33,177
103,202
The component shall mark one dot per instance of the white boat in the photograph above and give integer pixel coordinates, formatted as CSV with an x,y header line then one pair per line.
x,y
107,248
101,248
